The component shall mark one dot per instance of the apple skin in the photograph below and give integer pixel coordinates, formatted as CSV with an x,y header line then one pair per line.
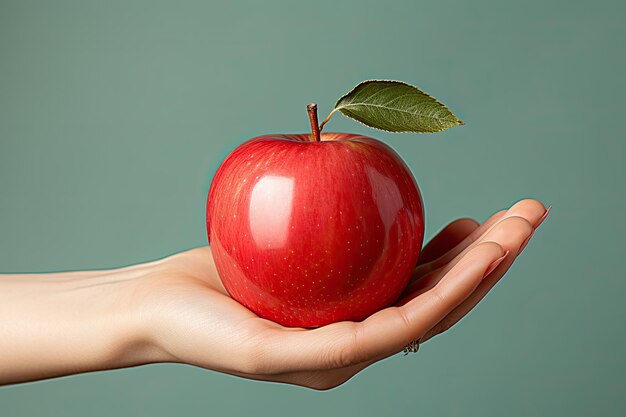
x,y
308,233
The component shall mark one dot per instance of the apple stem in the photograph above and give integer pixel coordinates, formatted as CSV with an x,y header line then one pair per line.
x,y
315,128
327,119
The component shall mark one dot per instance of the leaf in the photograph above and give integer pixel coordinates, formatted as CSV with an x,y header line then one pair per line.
x,y
396,107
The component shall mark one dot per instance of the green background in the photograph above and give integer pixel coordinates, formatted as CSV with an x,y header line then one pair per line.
x,y
114,115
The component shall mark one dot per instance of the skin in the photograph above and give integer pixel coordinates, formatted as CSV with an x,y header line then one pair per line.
x,y
177,310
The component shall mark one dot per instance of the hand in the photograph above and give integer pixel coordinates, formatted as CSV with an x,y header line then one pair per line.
x,y
191,318
176,310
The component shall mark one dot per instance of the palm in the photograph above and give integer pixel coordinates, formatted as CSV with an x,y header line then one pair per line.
x,y
202,325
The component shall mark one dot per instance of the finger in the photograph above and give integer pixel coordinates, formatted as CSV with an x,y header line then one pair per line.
x,y
346,344
481,291
330,378
509,233
446,239
531,210
428,267
470,303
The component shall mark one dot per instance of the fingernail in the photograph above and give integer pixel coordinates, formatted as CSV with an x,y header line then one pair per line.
x,y
542,218
523,245
494,265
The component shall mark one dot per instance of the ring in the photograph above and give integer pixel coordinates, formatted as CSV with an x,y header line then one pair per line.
x,y
412,347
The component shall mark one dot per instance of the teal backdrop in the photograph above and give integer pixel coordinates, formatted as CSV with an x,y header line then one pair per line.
x,y
114,115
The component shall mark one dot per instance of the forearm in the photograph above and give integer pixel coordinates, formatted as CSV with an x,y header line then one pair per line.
x,y
65,323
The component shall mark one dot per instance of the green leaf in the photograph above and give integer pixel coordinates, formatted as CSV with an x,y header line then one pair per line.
x,y
395,106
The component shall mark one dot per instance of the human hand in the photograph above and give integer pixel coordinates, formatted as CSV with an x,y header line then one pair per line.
x,y
189,317
177,310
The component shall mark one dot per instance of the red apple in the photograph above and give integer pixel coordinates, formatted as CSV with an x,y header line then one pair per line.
x,y
308,232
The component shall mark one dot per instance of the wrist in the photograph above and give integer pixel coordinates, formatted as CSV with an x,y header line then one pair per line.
x,y
128,318
59,324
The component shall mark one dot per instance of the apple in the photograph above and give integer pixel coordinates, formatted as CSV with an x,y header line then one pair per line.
x,y
310,229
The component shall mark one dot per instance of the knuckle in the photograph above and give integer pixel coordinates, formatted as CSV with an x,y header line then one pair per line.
x,y
254,358
405,319
346,351
438,295
346,356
